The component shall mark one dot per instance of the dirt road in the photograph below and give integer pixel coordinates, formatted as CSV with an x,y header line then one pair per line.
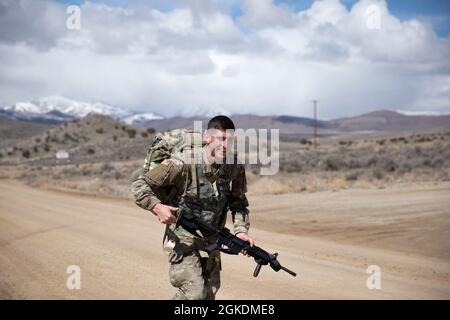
x,y
118,248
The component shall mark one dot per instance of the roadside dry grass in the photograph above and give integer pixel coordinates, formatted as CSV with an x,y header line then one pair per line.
x,y
358,163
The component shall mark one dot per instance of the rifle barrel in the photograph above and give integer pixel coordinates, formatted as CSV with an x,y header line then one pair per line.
x,y
292,273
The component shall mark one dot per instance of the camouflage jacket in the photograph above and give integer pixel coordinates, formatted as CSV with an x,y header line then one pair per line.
x,y
223,186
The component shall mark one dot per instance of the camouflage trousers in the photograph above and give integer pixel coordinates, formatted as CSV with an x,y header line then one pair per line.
x,y
196,278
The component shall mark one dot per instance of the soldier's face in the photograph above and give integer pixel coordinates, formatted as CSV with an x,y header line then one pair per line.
x,y
217,142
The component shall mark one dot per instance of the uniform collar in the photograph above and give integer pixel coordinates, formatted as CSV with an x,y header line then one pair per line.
x,y
211,171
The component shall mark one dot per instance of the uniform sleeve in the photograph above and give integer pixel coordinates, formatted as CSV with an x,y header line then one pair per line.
x,y
238,202
145,187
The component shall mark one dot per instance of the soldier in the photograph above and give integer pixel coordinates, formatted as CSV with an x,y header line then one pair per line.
x,y
214,185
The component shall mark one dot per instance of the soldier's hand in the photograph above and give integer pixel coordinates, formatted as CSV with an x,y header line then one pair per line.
x,y
164,213
245,237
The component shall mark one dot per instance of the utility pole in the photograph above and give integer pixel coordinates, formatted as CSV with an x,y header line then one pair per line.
x,y
315,122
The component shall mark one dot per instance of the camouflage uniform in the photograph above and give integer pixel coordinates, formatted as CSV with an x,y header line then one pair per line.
x,y
217,189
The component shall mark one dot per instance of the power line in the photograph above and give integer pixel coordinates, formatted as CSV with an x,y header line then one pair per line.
x,y
315,122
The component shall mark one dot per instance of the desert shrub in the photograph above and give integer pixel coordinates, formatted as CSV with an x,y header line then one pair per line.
x,y
421,138
114,138
106,167
292,166
118,175
418,150
144,134
37,140
111,173
334,163
352,176
151,130
131,133
372,161
106,175
26,153
377,173
99,130
90,151
406,166
46,147
68,172
69,137
387,164
353,163
254,169
437,161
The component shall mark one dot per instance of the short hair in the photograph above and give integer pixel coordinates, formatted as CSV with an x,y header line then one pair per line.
x,y
221,123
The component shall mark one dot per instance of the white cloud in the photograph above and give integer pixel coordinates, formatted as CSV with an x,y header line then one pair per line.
x,y
261,14
269,60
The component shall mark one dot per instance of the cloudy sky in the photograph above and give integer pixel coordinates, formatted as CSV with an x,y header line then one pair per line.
x,y
258,56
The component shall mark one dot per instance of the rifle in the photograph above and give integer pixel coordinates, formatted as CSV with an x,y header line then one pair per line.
x,y
225,241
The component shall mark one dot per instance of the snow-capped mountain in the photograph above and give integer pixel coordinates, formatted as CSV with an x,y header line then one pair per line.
x,y
66,106
141,118
422,113
56,109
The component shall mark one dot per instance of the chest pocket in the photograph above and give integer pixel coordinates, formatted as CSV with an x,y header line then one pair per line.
x,y
207,190
217,189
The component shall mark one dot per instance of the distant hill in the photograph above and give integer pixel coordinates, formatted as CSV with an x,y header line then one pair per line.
x,y
286,124
92,138
13,131
379,121
391,121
